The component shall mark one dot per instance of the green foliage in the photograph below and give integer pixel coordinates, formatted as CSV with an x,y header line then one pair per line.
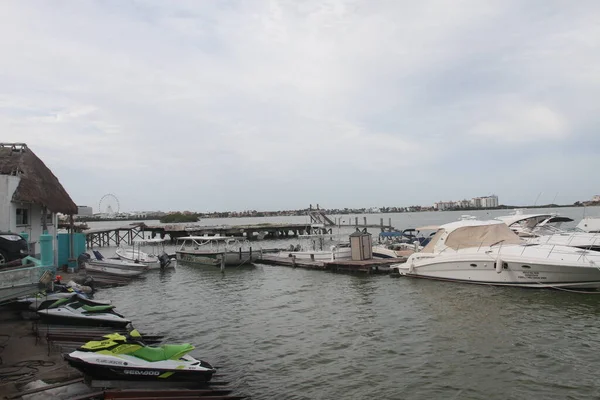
x,y
179,217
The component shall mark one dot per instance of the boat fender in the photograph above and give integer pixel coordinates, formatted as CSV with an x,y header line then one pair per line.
x,y
499,265
411,268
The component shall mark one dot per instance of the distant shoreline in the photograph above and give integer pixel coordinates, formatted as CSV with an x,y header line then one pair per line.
x,y
385,210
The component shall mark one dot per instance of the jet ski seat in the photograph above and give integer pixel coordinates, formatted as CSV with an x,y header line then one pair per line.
x,y
162,353
101,308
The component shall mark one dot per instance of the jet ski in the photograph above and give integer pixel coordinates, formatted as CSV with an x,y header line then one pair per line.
x,y
120,357
77,311
43,301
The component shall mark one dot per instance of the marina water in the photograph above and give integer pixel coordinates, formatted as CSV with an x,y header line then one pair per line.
x,y
285,333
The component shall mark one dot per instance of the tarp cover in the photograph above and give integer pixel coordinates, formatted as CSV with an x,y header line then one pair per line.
x,y
481,235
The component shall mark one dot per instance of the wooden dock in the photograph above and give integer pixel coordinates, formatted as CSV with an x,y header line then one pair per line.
x,y
250,232
126,234
114,236
373,266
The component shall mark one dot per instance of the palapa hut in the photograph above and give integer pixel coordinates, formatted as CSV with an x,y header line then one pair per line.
x,y
28,192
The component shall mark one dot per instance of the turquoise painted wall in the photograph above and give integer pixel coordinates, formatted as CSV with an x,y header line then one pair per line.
x,y
63,248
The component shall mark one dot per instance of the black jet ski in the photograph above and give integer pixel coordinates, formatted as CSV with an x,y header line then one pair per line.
x,y
120,357
78,311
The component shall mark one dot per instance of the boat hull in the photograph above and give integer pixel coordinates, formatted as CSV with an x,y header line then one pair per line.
x,y
152,262
48,316
123,271
524,274
115,371
344,253
232,259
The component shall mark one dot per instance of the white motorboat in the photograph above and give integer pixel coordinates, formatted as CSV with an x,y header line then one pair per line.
x,y
124,269
216,250
546,229
402,244
158,260
112,266
589,224
319,246
488,252
393,250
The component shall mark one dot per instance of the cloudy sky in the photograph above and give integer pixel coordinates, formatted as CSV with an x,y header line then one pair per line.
x,y
236,105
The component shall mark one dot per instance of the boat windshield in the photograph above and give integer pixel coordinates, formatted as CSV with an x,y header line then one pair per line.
x,y
431,245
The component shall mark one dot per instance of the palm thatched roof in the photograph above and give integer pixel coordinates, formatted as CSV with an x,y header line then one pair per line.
x,y
38,184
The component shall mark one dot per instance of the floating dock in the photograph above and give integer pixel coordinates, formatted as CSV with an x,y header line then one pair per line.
x,y
373,266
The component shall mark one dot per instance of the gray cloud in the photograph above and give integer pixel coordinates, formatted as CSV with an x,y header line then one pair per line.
x,y
278,104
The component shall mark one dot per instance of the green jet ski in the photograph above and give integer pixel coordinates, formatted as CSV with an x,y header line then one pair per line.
x,y
120,357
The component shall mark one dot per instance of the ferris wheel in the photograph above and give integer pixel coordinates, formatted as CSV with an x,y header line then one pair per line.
x,y
109,204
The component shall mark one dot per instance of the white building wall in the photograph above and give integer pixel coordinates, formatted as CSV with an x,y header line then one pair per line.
x,y
8,186
8,214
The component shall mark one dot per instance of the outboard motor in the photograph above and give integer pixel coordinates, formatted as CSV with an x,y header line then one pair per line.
x,y
99,256
165,260
83,257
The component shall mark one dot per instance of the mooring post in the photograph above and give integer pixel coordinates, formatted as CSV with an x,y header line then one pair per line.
x,y
250,253
356,221
240,253
222,262
390,222
365,219
293,261
381,223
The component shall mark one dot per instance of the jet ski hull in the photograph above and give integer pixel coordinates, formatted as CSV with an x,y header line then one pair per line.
x,y
117,369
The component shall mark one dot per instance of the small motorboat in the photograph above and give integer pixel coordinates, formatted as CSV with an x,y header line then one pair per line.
x,y
159,260
216,250
120,357
75,311
112,269
113,266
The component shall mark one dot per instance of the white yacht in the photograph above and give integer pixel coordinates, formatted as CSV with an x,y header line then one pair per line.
x,y
546,229
488,252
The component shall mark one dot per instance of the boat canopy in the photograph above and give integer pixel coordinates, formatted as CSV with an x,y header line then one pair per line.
x,y
148,241
211,238
465,234
530,221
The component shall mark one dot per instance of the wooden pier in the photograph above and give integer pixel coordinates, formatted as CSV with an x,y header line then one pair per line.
x,y
250,232
126,234
114,236
373,266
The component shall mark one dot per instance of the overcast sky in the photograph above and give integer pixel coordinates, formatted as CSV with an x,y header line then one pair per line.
x,y
236,105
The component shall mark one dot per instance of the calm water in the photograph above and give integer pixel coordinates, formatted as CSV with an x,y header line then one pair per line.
x,y
282,333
